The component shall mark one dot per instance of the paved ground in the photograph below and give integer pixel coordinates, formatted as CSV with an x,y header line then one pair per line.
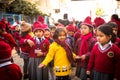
x,y
19,62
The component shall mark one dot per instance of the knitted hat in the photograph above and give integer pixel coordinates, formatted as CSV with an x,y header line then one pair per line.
x,y
25,27
87,22
2,25
38,25
46,27
41,19
98,21
70,27
5,52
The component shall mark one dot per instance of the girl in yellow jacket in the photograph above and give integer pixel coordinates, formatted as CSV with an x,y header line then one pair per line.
x,y
62,55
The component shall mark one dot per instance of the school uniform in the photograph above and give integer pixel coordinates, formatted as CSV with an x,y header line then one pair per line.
x,y
105,61
117,42
51,64
24,52
71,42
35,73
25,48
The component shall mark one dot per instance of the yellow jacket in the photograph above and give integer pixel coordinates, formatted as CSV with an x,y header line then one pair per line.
x,y
62,66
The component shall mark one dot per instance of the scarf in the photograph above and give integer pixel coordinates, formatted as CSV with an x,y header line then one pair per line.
x,y
67,49
84,46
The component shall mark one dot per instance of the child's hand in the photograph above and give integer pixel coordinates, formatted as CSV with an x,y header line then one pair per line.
x,y
77,57
30,42
88,72
41,65
88,75
83,57
39,54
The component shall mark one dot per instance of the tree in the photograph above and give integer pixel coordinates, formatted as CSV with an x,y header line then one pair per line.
x,y
23,7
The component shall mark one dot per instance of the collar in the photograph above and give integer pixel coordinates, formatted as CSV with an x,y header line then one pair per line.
x,y
109,44
5,64
39,40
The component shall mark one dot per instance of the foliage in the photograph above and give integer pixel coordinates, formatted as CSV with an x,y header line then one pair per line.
x,y
23,7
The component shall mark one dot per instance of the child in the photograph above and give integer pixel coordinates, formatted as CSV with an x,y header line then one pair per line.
x,y
47,35
115,30
62,55
7,37
115,18
53,28
7,25
84,46
8,70
105,56
16,35
25,44
38,53
70,36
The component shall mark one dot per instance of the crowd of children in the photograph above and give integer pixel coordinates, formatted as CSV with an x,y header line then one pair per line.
x,y
49,53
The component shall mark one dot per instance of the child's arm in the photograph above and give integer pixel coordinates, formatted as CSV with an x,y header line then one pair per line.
x,y
49,56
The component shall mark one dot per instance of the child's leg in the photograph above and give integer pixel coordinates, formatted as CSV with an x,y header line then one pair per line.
x,y
25,68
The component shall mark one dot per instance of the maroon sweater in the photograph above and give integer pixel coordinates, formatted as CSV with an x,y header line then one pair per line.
x,y
43,46
24,45
107,62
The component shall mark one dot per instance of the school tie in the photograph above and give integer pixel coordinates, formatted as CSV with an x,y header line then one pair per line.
x,y
40,40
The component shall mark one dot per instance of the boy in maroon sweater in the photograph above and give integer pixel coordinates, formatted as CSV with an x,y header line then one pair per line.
x,y
105,56
38,53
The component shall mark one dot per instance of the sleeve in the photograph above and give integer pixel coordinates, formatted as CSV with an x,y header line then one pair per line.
x,y
50,55
91,45
76,47
46,47
117,63
23,41
91,60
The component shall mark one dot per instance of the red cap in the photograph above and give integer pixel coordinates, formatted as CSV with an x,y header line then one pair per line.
x,y
87,21
41,19
70,27
5,52
37,25
98,21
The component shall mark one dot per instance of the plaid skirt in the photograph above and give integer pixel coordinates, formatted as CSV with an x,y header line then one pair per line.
x,y
102,76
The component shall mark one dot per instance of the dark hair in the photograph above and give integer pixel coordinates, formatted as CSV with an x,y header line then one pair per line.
x,y
107,30
60,21
57,32
64,45
112,24
23,34
115,16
